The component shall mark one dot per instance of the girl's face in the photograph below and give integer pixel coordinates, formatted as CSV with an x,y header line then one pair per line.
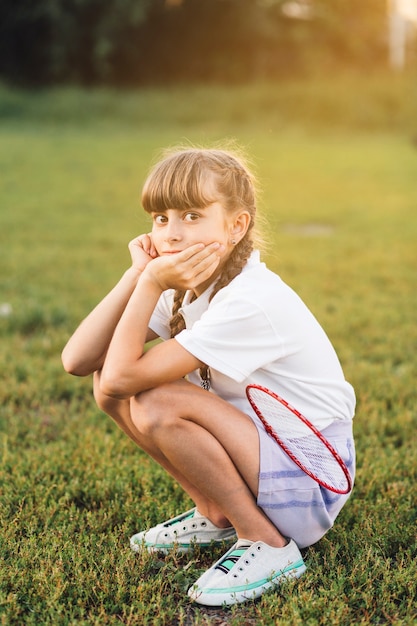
x,y
174,230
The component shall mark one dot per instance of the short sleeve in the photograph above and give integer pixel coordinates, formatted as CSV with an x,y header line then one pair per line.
x,y
234,337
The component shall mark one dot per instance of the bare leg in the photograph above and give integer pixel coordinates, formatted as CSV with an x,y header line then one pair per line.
x,y
120,412
213,446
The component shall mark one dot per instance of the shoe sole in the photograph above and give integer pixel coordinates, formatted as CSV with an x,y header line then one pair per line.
x,y
179,547
243,593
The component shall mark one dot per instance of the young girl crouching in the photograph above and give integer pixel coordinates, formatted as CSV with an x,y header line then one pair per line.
x,y
227,321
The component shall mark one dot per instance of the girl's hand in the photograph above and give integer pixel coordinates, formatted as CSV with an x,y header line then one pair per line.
x,y
142,251
187,269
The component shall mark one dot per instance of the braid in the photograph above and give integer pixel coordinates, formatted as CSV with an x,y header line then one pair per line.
x,y
234,265
177,322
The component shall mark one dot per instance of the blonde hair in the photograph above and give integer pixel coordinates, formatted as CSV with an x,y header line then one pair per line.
x,y
195,178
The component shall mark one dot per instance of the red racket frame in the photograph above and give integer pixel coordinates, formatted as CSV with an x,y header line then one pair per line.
x,y
289,452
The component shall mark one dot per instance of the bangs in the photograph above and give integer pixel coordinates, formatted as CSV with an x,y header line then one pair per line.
x,y
183,180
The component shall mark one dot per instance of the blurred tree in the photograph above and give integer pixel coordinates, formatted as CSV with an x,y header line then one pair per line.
x,y
216,40
64,40
353,31
24,40
131,42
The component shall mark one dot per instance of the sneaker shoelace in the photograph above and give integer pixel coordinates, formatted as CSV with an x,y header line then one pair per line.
x,y
231,558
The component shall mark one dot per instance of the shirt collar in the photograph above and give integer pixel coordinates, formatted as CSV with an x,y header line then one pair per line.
x,y
193,310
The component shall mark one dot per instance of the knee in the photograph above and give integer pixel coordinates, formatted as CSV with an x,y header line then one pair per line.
x,y
105,403
153,410
99,397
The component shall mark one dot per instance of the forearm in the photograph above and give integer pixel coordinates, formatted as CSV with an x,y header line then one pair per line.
x,y
121,369
86,349
127,370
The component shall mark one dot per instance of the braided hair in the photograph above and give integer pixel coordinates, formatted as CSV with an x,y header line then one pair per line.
x,y
195,178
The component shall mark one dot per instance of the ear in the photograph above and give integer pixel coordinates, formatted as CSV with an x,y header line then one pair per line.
x,y
239,225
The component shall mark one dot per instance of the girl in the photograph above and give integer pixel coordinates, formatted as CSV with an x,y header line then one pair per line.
x,y
227,321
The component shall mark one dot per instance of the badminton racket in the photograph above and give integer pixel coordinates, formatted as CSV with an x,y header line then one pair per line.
x,y
300,440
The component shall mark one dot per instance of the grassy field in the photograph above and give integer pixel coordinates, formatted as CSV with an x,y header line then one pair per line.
x,y
337,161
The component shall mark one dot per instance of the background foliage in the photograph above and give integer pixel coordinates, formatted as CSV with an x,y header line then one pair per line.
x,y
337,162
132,42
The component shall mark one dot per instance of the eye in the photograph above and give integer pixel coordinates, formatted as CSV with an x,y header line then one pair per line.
x,y
159,218
191,216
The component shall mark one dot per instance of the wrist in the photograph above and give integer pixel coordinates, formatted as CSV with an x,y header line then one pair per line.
x,y
151,282
133,273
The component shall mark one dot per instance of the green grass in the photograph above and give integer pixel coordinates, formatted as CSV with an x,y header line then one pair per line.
x,y
338,167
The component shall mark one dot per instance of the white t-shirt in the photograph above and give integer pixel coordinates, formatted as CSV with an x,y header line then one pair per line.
x,y
257,330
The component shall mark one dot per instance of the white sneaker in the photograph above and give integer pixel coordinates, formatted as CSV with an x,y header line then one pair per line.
x,y
246,571
181,532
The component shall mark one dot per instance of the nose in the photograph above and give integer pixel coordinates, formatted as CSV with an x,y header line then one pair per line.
x,y
173,231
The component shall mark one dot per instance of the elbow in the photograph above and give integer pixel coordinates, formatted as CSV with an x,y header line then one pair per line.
x,y
73,366
115,386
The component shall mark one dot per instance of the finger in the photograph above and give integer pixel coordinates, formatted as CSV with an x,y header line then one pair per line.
x,y
149,246
145,243
198,252
204,271
137,241
210,255
189,252
198,268
152,250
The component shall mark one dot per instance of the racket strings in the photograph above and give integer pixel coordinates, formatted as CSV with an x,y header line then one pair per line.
x,y
314,455
302,443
